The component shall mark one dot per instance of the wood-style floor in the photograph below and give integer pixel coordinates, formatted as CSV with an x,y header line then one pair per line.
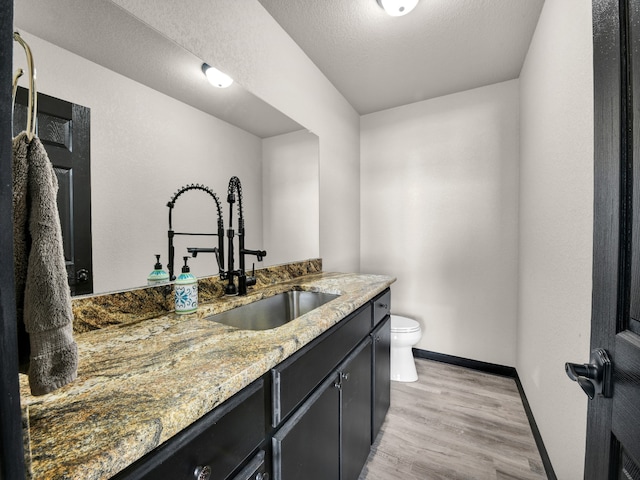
x,y
454,423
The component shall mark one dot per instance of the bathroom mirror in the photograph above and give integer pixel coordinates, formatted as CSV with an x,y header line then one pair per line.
x,y
156,125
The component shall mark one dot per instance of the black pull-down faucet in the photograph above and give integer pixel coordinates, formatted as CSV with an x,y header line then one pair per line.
x,y
243,280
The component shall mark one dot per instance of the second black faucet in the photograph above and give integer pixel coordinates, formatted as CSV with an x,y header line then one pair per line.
x,y
235,187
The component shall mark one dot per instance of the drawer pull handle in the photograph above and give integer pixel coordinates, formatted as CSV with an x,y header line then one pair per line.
x,y
202,473
384,305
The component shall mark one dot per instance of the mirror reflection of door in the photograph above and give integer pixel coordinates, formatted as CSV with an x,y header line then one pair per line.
x,y
63,128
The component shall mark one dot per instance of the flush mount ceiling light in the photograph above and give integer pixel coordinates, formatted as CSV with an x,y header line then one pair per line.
x,y
216,77
397,8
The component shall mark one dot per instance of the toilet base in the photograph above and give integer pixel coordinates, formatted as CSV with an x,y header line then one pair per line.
x,y
403,365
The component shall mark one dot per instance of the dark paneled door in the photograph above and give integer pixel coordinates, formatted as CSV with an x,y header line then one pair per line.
x,y
63,128
613,432
381,392
307,446
355,413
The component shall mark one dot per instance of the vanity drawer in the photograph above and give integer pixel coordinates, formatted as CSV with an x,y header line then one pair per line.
x,y
295,378
220,442
381,307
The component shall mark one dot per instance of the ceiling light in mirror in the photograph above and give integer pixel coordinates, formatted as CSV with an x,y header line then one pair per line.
x,y
216,77
140,86
397,8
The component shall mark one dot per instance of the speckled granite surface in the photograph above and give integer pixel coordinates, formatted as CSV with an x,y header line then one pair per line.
x,y
140,383
130,306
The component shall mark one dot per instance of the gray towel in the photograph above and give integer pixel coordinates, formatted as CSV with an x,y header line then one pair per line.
x,y
43,298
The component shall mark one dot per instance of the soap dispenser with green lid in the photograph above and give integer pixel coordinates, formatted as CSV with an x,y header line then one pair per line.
x,y
186,290
158,275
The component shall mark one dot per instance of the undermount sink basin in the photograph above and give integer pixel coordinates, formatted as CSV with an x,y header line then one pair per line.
x,y
274,311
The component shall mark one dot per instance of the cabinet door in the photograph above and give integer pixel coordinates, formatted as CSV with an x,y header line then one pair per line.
x,y
381,391
307,446
355,414
295,378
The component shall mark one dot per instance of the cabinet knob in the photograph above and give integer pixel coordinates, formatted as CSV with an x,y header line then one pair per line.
x,y
202,472
383,305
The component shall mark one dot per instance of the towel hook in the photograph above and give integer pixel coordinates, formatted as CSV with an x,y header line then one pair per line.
x,y
33,94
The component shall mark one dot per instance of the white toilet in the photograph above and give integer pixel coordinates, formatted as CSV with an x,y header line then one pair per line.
x,y
405,333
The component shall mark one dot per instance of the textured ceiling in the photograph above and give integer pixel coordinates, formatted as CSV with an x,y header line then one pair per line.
x,y
102,32
374,60
443,46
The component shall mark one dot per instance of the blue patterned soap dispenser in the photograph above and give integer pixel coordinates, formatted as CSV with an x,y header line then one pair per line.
x,y
186,288
158,276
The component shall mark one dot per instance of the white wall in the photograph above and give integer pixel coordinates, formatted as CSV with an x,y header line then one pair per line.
x,y
144,146
439,205
242,39
439,198
290,197
556,197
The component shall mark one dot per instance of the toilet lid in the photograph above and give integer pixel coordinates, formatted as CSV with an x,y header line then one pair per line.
x,y
403,324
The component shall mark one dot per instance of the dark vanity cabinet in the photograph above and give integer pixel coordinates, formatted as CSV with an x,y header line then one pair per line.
x,y
355,411
293,380
308,444
313,416
381,361
225,444
330,399
320,396
328,436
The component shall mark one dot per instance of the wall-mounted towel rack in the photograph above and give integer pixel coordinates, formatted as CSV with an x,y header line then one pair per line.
x,y
33,94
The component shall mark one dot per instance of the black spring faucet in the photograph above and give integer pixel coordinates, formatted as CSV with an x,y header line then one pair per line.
x,y
219,250
235,187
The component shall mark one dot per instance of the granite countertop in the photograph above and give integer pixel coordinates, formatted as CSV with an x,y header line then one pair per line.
x,y
141,383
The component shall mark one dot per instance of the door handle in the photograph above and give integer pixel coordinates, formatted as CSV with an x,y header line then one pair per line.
x,y
594,377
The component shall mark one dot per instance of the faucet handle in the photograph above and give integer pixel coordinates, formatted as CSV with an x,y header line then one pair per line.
x,y
217,252
251,279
